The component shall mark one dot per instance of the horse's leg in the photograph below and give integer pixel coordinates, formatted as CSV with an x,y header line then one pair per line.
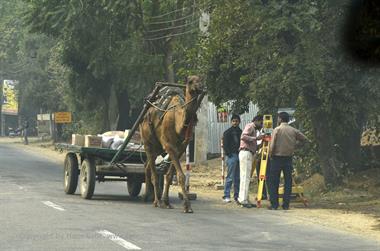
x,y
148,184
154,177
168,182
181,178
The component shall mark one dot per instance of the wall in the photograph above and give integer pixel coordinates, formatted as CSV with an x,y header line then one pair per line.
x,y
209,132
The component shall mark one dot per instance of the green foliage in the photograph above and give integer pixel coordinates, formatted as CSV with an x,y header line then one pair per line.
x,y
289,54
10,38
284,53
101,45
24,57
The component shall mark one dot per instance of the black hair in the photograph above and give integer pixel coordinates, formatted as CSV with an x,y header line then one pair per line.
x,y
258,118
235,116
284,116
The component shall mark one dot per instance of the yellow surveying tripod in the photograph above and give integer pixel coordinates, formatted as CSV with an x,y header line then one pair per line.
x,y
267,129
297,190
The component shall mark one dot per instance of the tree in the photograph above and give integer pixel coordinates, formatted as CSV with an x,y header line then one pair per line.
x,y
289,53
25,58
102,49
114,50
168,22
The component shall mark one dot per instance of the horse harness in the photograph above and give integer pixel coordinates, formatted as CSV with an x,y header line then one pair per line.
x,y
161,105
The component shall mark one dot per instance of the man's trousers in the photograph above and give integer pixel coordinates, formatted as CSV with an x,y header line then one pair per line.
x,y
278,164
245,158
233,176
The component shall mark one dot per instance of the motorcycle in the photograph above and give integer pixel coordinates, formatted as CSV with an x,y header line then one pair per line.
x,y
14,132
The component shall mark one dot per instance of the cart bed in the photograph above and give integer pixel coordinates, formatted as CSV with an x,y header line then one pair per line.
x,y
106,154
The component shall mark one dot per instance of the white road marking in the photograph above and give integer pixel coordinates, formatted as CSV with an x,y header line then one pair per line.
x,y
22,188
118,240
267,236
55,206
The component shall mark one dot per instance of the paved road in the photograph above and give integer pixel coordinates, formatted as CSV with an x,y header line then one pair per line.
x,y
37,215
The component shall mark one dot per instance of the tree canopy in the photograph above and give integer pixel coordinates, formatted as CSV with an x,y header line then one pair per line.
x,y
100,58
290,54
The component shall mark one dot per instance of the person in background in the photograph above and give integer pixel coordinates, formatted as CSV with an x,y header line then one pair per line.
x,y
284,141
248,146
25,131
231,144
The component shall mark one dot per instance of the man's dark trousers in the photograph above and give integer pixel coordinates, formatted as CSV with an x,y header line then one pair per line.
x,y
278,164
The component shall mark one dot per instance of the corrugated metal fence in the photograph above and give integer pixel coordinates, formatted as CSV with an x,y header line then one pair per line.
x,y
216,129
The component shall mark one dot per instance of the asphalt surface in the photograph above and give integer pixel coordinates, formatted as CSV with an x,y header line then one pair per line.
x,y
37,215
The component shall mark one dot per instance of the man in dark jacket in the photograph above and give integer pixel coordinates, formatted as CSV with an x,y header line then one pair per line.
x,y
231,143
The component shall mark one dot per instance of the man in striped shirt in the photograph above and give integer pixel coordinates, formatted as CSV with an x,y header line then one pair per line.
x,y
247,149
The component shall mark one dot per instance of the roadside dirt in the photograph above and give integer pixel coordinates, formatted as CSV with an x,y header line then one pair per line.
x,y
354,208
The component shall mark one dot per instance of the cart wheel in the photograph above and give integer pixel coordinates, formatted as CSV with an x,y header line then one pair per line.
x,y
70,179
134,186
87,179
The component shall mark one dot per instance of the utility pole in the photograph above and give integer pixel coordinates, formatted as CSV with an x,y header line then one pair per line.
x,y
204,23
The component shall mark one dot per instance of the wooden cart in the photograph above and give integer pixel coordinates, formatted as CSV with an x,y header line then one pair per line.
x,y
99,163
94,164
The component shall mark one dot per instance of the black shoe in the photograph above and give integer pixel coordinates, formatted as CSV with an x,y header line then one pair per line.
x,y
272,208
285,207
248,205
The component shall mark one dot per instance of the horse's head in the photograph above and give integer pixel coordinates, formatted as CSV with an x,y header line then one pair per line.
x,y
194,85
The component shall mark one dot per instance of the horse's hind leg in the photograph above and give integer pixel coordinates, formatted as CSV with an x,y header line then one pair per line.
x,y
168,182
154,178
181,178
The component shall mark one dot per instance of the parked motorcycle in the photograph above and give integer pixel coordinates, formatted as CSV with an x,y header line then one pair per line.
x,y
14,132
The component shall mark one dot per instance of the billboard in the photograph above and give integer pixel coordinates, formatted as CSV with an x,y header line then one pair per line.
x,y
9,99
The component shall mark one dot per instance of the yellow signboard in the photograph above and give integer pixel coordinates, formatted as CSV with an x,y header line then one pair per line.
x,y
10,102
62,117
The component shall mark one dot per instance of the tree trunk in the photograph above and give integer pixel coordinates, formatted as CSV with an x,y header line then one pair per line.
x,y
113,113
350,150
330,165
168,62
52,127
106,121
168,59
124,111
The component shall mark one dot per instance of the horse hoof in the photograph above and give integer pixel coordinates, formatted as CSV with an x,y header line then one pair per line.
x,y
156,204
165,205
